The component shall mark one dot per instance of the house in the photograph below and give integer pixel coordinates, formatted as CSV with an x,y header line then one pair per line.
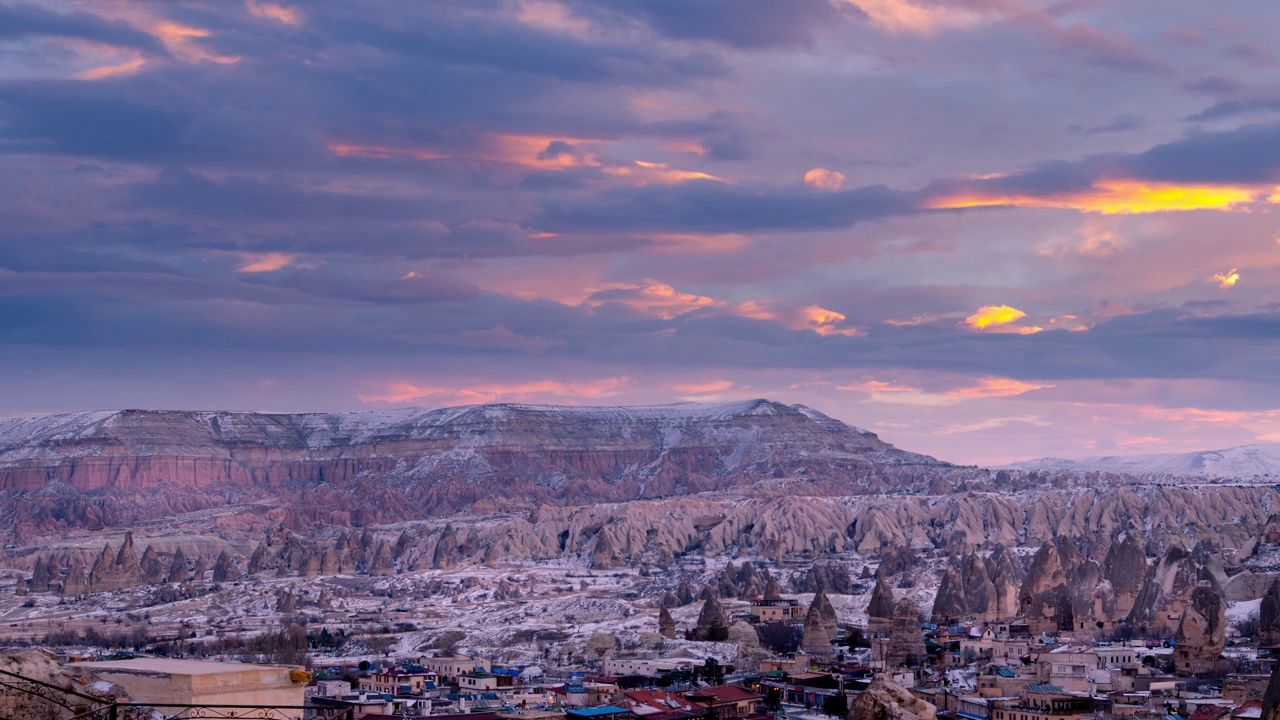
x,y
726,701
481,681
392,681
621,667
1049,702
449,668
658,705
779,610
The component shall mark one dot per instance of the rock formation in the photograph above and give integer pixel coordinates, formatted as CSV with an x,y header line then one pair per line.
x,y
743,635
527,455
666,626
1167,587
1271,698
966,592
712,624
1125,568
76,581
152,569
118,570
772,590
223,569
178,570
1201,631
815,642
905,646
1269,615
828,576
885,699
826,614
880,609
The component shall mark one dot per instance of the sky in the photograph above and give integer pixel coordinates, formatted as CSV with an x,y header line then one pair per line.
x,y
988,230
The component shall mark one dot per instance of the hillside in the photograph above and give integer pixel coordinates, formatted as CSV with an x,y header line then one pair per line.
x,y
110,468
1242,462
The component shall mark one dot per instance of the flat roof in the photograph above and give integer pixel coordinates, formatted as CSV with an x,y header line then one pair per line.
x,y
169,666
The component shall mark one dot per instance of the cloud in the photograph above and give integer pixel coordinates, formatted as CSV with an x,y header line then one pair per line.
x,y
272,11
823,179
1226,279
923,18
996,387
21,20
264,262
704,388
555,391
650,299
748,24
993,316
809,317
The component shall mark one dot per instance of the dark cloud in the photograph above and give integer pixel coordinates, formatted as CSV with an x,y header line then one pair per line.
x,y
77,118
1120,123
708,206
19,20
747,24
408,288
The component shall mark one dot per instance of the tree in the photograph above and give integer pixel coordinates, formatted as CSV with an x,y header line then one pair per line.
x,y
836,705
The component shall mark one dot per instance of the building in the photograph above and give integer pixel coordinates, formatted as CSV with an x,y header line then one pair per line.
x,y
157,681
1049,702
726,701
621,667
393,681
775,610
482,681
658,705
449,668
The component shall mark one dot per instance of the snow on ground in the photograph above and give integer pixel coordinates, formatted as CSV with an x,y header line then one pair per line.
x,y
1241,609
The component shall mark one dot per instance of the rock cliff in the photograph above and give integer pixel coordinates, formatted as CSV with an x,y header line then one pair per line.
x,y
409,464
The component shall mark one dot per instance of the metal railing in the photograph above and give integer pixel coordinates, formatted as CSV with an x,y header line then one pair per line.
x,y
31,699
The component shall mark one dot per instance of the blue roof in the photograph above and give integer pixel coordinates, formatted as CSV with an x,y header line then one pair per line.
x,y
1045,688
1006,672
598,711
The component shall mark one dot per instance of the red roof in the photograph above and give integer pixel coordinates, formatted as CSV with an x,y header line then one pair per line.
x,y
722,694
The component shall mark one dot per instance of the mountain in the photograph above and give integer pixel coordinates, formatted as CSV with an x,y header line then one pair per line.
x,y
99,469
1245,461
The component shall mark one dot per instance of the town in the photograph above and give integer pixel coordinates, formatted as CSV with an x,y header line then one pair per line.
x,y
788,660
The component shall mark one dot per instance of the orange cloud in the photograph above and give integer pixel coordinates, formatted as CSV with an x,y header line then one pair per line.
x,y
713,386
809,317
540,152
702,242
1227,279
824,179
397,393
180,40
995,387
264,262
991,316
553,16
128,67
899,394
271,11
902,16
648,173
1117,197
651,298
